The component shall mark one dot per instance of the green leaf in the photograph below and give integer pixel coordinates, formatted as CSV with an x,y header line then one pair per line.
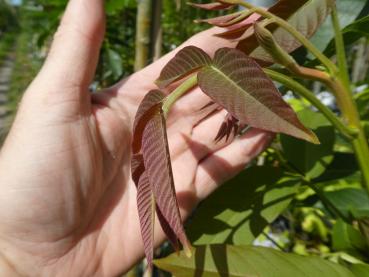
x,y
237,261
360,270
115,63
362,102
311,160
347,238
349,201
186,61
343,167
306,19
364,227
115,6
351,34
348,11
240,209
238,84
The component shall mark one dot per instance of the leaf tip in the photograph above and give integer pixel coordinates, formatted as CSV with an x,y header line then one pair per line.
x,y
159,83
187,249
313,138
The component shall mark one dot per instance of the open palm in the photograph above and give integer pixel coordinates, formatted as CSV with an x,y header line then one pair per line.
x,y
67,202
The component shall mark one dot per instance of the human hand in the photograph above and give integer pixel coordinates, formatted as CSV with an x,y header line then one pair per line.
x,y
67,201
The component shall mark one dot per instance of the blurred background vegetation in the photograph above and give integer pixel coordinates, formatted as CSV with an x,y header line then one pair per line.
x,y
26,29
139,32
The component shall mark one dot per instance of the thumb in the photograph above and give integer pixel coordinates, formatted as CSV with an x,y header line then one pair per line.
x,y
74,52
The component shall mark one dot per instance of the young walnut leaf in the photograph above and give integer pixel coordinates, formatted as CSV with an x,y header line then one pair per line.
x,y
152,174
305,15
146,213
212,6
157,162
236,32
283,8
138,171
237,83
229,125
149,105
186,61
223,20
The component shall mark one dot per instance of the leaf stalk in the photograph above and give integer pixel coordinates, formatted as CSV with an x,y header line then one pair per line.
x,y
346,131
178,93
349,109
340,48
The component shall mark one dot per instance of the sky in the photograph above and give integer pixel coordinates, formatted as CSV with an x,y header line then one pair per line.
x,y
16,2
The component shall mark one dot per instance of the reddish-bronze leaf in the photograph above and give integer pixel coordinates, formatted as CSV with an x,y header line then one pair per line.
x,y
235,32
305,15
146,213
212,6
237,83
148,106
167,229
157,162
152,174
229,124
137,167
186,61
221,21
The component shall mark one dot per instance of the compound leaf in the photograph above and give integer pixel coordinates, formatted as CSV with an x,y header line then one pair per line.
x,y
186,61
305,15
157,162
215,6
148,106
238,211
311,160
146,213
236,261
238,84
152,174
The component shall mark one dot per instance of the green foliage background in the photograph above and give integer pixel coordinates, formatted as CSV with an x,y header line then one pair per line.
x,y
298,198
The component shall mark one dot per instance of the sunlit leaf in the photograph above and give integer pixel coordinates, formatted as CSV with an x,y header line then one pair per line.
x,y
224,20
349,201
311,160
305,16
212,6
344,167
148,107
348,11
283,8
360,270
236,261
351,34
239,210
152,174
157,162
346,238
146,212
237,83
185,62
235,32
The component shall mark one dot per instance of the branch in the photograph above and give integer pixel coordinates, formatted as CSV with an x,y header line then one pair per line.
x,y
348,132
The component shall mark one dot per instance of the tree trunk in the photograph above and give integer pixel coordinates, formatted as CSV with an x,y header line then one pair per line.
x,y
157,30
143,31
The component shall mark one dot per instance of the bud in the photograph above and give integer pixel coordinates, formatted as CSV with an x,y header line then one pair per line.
x,y
268,43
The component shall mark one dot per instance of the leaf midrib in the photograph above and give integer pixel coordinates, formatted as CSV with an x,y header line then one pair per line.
x,y
213,67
